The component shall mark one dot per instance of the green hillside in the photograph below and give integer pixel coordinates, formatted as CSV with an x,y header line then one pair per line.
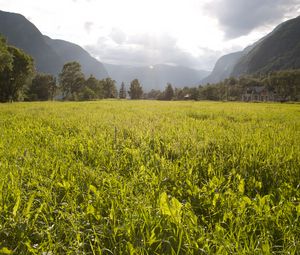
x,y
280,50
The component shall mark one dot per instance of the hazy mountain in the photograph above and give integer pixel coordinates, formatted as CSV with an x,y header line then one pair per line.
x,y
223,68
49,55
278,51
71,52
157,76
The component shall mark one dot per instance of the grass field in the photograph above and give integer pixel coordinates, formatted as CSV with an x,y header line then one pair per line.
x,y
147,177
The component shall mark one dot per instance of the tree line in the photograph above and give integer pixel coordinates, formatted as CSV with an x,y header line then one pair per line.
x,y
283,85
20,82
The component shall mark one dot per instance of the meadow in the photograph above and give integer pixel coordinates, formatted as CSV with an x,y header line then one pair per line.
x,y
149,177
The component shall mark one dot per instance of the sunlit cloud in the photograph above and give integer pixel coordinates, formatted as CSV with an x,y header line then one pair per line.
x,y
192,33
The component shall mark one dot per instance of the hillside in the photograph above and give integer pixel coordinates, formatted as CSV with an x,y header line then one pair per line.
x,y
23,34
278,51
49,55
157,76
71,52
223,68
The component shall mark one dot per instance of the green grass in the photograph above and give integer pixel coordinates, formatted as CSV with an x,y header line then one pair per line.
x,y
147,177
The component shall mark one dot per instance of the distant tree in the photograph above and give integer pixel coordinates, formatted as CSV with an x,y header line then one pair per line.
x,y
222,91
109,88
14,78
231,81
94,85
182,93
209,92
122,93
71,80
43,87
6,58
153,94
178,94
169,92
194,93
294,83
135,90
86,93
286,84
281,85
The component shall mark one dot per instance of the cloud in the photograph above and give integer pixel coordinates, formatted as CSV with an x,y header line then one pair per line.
x,y
240,17
118,36
88,26
147,49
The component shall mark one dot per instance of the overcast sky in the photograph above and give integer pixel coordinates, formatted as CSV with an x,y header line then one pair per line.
x,y
193,33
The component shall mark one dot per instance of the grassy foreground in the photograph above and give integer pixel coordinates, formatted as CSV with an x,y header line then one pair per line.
x,y
147,177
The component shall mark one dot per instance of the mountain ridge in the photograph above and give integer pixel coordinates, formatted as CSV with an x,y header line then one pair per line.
x,y
23,34
47,53
223,68
69,51
278,50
